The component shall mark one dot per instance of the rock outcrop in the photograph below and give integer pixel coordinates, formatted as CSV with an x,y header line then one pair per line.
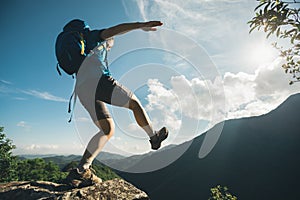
x,y
116,189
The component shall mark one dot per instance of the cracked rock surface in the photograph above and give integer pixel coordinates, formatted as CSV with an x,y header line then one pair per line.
x,y
116,189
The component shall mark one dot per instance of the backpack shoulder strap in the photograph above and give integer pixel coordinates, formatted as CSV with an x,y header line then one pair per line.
x,y
74,95
57,68
82,52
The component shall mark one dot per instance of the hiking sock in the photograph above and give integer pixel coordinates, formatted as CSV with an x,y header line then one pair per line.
x,y
84,166
149,130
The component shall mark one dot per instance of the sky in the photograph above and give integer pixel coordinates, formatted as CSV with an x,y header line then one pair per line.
x,y
200,68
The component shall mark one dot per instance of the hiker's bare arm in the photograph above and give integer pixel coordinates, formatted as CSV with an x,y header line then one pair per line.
x,y
124,28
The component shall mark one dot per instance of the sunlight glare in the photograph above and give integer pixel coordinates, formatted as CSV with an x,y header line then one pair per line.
x,y
261,53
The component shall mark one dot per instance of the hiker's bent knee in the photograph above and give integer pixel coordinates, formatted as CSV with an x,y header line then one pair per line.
x,y
107,126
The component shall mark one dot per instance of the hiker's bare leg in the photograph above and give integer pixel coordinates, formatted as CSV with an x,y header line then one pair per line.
x,y
141,116
96,144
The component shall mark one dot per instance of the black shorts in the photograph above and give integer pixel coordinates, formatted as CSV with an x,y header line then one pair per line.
x,y
93,95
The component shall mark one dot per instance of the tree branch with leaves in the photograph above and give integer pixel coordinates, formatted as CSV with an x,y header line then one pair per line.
x,y
282,19
8,162
221,193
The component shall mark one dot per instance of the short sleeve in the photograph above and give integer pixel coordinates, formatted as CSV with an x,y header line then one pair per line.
x,y
95,35
93,39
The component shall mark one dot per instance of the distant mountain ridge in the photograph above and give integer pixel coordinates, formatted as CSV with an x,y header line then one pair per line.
x,y
62,160
256,157
127,163
102,156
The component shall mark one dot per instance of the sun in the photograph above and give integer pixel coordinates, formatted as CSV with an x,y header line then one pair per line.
x,y
261,53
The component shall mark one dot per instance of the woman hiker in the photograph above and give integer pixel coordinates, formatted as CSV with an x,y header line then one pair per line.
x,y
96,87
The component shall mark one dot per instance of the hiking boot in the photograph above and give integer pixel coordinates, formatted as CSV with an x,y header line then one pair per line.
x,y
81,179
159,136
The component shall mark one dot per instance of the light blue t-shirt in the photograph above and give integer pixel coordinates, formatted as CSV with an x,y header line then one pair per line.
x,y
101,53
95,64
98,47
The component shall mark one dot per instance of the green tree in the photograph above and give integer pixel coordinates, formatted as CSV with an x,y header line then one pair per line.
x,y
39,170
282,19
68,167
104,172
13,168
221,193
8,162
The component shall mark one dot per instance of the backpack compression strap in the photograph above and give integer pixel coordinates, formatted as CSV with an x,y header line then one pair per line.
x,y
82,44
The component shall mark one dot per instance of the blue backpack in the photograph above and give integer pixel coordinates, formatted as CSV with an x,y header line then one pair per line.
x,y
70,46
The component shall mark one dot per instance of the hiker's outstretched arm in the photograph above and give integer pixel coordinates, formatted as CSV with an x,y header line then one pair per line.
x,y
124,28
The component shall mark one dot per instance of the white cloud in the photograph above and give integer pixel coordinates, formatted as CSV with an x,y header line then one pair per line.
x,y
7,88
115,138
196,18
24,125
259,93
38,148
246,95
20,98
35,147
6,82
163,103
133,127
45,96
188,98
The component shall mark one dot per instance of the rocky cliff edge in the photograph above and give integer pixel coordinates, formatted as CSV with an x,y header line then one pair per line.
x,y
116,189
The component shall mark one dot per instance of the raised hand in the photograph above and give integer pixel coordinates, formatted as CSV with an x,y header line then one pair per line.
x,y
151,25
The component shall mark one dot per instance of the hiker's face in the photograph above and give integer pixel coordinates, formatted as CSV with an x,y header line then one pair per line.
x,y
109,43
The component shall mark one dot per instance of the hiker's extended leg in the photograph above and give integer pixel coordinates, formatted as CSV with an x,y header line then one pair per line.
x,y
121,96
141,116
112,92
